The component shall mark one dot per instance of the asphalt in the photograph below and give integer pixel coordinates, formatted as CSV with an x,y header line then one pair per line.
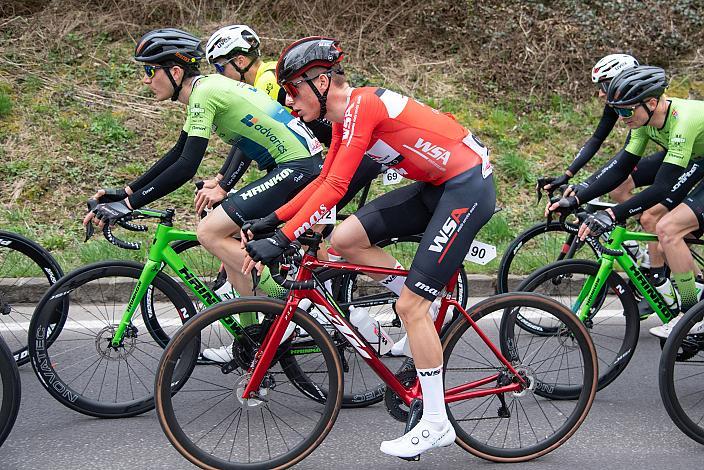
x,y
626,428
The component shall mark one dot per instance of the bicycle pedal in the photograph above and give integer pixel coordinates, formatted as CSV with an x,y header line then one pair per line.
x,y
415,458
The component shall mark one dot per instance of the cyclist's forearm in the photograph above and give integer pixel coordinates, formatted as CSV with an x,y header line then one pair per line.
x,y
664,181
609,177
585,154
160,166
239,163
174,176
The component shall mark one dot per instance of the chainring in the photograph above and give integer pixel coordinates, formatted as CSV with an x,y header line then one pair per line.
x,y
394,405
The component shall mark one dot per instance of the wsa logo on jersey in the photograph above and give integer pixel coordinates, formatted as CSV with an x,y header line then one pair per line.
x,y
249,120
432,150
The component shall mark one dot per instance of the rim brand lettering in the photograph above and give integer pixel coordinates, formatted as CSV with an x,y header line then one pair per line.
x,y
47,373
4,242
267,184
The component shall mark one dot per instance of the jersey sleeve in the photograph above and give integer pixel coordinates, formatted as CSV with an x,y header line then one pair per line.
x,y
289,209
201,114
362,115
638,139
682,136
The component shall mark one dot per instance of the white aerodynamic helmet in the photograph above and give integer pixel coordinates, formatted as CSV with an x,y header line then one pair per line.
x,y
230,40
610,66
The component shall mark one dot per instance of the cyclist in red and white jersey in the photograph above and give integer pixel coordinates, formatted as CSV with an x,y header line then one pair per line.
x,y
452,198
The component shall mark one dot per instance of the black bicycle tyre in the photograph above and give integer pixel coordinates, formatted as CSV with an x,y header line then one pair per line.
x,y
608,371
43,260
587,393
164,406
41,357
666,375
502,277
11,391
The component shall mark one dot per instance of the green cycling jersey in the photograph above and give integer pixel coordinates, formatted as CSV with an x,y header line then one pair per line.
x,y
243,116
682,134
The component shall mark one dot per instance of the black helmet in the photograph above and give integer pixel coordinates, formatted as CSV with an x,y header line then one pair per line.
x,y
169,45
306,53
635,85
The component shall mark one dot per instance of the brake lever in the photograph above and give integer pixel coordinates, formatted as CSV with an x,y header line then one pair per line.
x,y
90,229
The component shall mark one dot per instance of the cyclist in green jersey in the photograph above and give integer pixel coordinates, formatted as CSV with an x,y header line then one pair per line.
x,y
637,96
242,117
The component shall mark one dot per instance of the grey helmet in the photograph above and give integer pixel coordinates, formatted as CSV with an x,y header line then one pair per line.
x,y
169,45
635,85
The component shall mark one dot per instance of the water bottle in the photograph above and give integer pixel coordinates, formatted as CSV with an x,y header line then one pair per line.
x,y
371,330
669,294
333,255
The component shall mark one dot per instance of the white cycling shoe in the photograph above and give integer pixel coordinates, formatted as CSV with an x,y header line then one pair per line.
x,y
223,354
421,438
402,348
663,331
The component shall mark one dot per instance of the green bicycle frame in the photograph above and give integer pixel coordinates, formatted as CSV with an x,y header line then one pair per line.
x,y
161,253
594,284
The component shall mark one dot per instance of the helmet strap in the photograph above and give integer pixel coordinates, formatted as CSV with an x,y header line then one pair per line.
x,y
177,87
322,98
244,70
647,110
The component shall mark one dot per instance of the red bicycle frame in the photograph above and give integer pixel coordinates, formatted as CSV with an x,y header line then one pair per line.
x,y
267,350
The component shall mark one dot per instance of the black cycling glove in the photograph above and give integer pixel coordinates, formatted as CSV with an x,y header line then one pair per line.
x,y
111,212
263,226
569,203
268,249
112,195
599,223
559,181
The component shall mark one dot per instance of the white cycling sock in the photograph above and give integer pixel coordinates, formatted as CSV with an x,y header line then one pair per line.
x,y
394,283
434,411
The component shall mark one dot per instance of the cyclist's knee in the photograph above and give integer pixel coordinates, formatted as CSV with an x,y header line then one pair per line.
x,y
649,220
349,236
411,307
667,229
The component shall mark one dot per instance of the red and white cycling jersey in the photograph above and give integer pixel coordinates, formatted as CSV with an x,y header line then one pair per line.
x,y
416,140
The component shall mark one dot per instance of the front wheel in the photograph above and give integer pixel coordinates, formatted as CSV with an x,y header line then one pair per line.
x,y
534,248
680,372
210,424
11,391
73,355
521,425
613,322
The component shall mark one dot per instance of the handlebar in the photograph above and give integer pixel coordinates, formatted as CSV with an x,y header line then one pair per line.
x,y
542,181
574,229
293,254
165,218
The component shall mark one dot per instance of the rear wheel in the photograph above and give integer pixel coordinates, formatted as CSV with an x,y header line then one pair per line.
x,y
522,425
11,391
26,271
